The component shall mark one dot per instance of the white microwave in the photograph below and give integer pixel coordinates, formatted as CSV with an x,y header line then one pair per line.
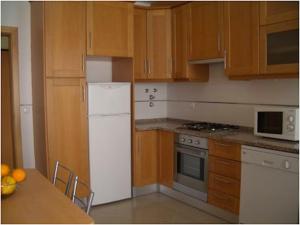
x,y
277,122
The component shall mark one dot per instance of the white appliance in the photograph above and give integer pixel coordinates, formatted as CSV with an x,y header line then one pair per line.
x,y
269,186
109,141
277,122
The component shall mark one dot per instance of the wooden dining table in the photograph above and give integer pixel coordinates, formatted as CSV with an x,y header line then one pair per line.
x,y
36,200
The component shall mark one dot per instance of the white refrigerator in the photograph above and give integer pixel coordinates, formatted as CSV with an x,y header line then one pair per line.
x,y
109,141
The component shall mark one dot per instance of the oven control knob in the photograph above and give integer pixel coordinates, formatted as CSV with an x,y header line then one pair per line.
x,y
290,127
197,142
182,139
190,141
291,119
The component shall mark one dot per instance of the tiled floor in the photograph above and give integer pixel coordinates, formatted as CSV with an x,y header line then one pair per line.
x,y
153,208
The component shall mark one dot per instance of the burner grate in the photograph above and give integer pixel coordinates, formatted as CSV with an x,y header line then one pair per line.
x,y
209,126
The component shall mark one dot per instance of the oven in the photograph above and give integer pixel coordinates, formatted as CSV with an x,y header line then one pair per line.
x,y
190,166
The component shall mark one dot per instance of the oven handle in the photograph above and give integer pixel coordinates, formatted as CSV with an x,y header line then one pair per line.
x,y
189,152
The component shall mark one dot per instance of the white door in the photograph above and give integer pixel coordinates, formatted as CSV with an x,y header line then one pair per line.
x,y
108,98
110,157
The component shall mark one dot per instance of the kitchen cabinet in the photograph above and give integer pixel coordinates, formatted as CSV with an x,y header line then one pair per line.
x,y
166,157
278,11
110,29
224,175
67,125
156,62
279,48
64,36
140,44
145,158
205,30
182,70
241,37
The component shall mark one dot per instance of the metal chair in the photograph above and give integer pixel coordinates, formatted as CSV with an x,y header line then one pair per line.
x,y
61,171
84,202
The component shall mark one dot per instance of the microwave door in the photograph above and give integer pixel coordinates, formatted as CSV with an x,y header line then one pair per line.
x,y
270,122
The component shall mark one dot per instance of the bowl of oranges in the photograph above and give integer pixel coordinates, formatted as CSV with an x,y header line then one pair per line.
x,y
10,179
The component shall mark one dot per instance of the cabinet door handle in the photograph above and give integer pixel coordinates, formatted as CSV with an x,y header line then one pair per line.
x,y
90,39
219,42
148,65
83,92
145,66
83,63
224,162
224,145
220,197
225,59
171,65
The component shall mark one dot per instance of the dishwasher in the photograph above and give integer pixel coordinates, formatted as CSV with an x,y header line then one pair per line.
x,y
269,186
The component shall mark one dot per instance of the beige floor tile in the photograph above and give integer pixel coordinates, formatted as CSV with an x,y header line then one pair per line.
x,y
153,208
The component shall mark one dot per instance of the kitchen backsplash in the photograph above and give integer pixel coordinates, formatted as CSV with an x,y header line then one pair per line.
x,y
219,100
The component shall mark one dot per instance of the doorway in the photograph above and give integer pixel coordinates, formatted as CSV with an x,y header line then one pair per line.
x,y
11,152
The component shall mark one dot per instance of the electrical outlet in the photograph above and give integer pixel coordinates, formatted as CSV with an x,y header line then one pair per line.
x,y
193,106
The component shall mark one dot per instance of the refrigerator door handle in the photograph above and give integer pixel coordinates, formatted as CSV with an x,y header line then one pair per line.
x,y
109,115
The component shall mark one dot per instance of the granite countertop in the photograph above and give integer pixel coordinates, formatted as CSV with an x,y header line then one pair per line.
x,y
242,136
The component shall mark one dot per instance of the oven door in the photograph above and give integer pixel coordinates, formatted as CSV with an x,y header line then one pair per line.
x,y
191,167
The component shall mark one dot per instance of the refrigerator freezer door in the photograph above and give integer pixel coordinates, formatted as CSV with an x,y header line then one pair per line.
x,y
110,157
108,98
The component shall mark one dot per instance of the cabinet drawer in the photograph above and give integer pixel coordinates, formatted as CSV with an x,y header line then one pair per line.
x,y
224,184
224,149
224,167
224,201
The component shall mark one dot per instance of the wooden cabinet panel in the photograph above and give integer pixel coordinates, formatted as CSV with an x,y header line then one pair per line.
x,y
110,29
278,11
224,201
279,48
64,37
140,44
224,167
205,30
241,22
159,44
181,69
224,149
145,158
166,158
66,118
224,185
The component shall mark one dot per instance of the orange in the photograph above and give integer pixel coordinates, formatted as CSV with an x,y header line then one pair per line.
x,y
19,175
4,170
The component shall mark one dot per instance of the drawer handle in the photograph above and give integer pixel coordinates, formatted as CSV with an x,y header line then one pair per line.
x,y
222,180
224,145
220,196
224,162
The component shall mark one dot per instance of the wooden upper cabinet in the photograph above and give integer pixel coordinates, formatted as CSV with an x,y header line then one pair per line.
x,y
140,44
64,36
145,158
110,29
205,30
159,44
182,70
241,21
67,125
278,11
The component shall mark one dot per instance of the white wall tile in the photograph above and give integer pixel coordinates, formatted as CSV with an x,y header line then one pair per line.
x,y
144,111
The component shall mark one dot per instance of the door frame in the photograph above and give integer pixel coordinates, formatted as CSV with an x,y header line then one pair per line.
x,y
12,33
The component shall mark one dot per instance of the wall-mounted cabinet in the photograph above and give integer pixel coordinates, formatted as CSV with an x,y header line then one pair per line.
x,y
110,29
64,37
278,11
205,30
241,54
279,48
182,70
152,50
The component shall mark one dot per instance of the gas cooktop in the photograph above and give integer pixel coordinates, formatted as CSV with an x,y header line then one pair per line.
x,y
209,126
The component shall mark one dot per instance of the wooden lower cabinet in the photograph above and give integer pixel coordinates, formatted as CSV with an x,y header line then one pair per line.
x,y
166,158
66,125
145,158
224,175
153,156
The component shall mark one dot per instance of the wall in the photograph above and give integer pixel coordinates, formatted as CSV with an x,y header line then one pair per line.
x,y
17,14
99,69
220,99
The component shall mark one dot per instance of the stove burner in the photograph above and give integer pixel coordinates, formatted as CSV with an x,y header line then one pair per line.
x,y
209,126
